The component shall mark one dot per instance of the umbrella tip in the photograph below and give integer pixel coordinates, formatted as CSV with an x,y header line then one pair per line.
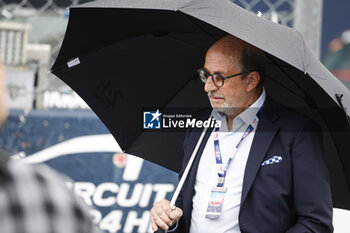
x,y
339,98
73,62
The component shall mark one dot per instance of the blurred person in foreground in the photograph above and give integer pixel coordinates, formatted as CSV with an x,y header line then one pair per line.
x,y
337,59
34,198
262,171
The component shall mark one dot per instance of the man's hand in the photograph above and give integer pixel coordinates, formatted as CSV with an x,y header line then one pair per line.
x,y
163,216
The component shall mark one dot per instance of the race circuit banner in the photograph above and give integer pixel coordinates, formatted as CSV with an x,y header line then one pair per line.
x,y
120,188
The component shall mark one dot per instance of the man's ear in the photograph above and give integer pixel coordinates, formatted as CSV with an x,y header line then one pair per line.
x,y
253,80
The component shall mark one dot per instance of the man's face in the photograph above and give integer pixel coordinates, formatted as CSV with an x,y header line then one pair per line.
x,y
232,96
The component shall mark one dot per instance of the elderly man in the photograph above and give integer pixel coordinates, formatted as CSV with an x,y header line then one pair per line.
x,y
262,170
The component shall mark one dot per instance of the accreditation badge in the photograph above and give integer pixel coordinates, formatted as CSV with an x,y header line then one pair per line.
x,y
216,200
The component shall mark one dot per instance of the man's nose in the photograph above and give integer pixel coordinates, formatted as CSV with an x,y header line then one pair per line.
x,y
209,85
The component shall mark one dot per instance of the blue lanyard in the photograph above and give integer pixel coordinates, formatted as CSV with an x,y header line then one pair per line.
x,y
219,164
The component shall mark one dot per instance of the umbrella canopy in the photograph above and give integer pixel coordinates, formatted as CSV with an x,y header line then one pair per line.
x,y
125,57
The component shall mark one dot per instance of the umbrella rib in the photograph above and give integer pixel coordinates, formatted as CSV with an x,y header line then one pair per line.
x,y
166,103
182,41
182,87
84,54
285,73
282,85
200,28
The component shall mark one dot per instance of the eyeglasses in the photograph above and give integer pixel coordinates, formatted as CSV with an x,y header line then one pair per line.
x,y
217,78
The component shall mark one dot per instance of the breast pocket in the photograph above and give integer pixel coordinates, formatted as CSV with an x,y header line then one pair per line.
x,y
274,163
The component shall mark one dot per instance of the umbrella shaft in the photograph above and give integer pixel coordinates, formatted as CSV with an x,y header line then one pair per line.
x,y
188,167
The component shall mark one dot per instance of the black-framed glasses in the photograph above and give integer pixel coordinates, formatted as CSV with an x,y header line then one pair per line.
x,y
217,78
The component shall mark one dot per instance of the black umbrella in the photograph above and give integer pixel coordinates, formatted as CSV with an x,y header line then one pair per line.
x,y
127,57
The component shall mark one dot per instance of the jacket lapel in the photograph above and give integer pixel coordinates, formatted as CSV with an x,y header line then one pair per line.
x,y
265,132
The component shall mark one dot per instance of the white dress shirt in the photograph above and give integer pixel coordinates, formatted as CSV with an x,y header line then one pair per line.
x,y
207,173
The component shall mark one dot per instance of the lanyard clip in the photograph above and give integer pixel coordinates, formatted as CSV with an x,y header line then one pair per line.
x,y
221,181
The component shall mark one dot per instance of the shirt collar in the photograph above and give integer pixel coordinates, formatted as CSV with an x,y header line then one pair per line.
x,y
244,117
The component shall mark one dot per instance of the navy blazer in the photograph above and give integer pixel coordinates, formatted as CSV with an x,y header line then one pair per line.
x,y
291,196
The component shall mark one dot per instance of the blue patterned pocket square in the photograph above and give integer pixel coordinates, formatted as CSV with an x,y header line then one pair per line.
x,y
273,160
